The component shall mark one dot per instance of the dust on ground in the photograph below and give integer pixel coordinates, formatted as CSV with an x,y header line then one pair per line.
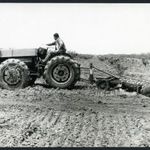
x,y
84,116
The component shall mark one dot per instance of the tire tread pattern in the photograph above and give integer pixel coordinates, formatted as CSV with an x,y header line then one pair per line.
x,y
59,59
25,73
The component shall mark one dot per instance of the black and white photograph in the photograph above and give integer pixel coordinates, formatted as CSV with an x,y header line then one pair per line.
x,y
74,75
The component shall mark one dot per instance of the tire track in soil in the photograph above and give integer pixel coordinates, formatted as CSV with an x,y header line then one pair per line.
x,y
140,137
59,129
51,125
99,137
68,128
113,130
80,140
92,130
48,119
131,130
71,138
105,131
55,129
10,135
36,122
122,137
109,130
88,130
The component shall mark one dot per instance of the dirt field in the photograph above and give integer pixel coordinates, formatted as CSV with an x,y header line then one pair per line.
x,y
84,116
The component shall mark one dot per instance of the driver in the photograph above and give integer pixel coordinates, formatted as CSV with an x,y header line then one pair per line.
x,y
59,47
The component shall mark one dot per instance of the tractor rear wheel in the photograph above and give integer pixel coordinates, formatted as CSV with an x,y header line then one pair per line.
x,y
14,74
62,72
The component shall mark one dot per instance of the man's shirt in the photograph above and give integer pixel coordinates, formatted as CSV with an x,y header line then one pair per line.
x,y
59,43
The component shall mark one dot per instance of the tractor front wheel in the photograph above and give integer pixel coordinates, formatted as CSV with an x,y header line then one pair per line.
x,y
14,74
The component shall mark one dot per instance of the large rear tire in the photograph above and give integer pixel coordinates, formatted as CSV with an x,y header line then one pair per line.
x,y
14,74
62,72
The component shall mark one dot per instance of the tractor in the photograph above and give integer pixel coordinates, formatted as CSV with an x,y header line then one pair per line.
x,y
20,68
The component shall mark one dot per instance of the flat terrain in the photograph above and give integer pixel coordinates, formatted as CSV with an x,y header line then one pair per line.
x,y
84,116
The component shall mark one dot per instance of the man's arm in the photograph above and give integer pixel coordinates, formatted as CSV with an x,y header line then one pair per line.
x,y
50,44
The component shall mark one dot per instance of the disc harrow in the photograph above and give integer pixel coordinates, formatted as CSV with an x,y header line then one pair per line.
x,y
107,81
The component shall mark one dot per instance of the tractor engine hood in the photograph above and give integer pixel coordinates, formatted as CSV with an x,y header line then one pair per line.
x,y
18,52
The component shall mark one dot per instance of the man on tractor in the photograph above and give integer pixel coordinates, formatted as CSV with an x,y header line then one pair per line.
x,y
60,47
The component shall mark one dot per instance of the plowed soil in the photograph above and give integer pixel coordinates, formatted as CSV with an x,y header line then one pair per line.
x,y
82,117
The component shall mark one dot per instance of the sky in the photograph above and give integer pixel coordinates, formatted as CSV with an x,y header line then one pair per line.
x,y
85,28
